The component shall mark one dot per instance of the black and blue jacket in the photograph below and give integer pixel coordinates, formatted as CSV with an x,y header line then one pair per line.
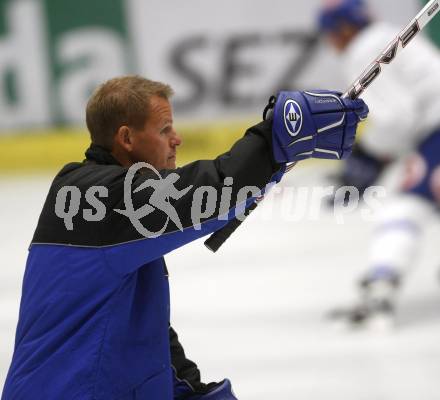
x,y
95,310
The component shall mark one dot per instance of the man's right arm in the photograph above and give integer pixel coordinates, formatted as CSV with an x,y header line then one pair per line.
x,y
147,214
305,124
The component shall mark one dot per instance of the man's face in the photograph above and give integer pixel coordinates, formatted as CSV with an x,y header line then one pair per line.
x,y
336,41
156,143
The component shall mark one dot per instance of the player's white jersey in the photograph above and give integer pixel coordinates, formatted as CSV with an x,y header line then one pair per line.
x,y
405,100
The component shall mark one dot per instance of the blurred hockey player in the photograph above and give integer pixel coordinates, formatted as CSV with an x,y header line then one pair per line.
x,y
404,122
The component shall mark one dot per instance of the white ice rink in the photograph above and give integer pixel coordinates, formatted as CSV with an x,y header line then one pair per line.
x,y
254,312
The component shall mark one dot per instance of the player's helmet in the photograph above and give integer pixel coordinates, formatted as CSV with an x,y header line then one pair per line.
x,y
338,12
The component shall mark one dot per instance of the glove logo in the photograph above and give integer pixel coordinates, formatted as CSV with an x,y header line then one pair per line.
x,y
293,117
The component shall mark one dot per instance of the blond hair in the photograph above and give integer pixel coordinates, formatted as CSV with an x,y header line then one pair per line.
x,y
118,102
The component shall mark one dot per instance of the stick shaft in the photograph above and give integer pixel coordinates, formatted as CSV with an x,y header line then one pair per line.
x,y
389,54
216,240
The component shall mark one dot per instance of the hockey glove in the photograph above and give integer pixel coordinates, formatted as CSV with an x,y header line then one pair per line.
x,y
318,124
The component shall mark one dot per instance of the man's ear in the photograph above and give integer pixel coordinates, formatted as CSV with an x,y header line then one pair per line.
x,y
124,138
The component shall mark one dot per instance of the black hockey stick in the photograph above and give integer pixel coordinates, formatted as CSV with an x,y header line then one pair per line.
x,y
216,240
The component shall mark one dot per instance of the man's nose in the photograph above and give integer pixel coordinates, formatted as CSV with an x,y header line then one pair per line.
x,y
176,140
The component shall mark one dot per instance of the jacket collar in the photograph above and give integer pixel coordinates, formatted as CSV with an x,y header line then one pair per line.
x,y
100,155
